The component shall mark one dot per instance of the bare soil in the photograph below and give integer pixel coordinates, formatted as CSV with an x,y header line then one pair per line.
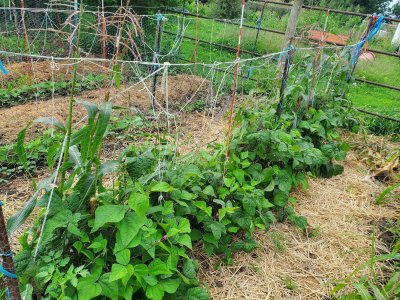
x,y
180,94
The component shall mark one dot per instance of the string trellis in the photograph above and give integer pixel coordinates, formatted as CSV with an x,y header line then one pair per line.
x,y
120,55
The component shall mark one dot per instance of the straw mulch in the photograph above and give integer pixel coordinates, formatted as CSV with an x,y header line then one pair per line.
x,y
290,265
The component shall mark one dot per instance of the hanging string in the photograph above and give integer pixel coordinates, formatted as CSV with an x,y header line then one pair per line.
x,y
259,24
197,39
104,46
28,60
235,76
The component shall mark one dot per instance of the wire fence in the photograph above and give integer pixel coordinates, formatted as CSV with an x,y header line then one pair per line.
x,y
181,73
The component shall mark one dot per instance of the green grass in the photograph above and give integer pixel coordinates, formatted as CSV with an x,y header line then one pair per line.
x,y
376,99
383,69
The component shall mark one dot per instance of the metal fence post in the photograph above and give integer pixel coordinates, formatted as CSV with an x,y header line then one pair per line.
x,y
156,54
285,75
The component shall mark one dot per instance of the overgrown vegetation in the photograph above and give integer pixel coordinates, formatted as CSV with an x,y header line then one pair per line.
x,y
132,237
370,286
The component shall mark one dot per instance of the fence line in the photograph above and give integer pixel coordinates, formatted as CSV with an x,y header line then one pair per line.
x,y
309,7
274,31
256,54
377,115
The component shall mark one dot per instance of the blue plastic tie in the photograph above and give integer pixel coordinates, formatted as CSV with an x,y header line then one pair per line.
x,y
160,17
3,69
249,72
259,22
8,294
7,254
373,30
7,273
1,203
286,50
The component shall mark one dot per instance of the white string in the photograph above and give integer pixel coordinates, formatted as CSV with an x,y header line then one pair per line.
x,y
52,67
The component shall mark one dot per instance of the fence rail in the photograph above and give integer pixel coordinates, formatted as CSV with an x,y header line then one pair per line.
x,y
343,12
256,54
270,30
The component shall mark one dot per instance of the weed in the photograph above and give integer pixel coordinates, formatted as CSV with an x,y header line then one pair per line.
x,y
289,283
197,106
279,241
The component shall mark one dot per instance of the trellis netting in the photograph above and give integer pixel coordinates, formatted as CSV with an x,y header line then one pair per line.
x,y
171,69
166,84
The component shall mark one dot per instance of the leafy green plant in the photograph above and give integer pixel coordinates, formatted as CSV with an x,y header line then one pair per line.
x,y
43,90
38,153
370,286
132,238
367,288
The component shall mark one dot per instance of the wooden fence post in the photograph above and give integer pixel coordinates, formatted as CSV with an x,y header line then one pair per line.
x,y
293,20
290,32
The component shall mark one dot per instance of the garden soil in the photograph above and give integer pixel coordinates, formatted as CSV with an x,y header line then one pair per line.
x,y
181,89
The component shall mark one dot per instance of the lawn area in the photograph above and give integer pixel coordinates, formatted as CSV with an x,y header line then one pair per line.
x,y
383,69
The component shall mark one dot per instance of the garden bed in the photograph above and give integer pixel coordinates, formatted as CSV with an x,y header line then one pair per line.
x,y
289,264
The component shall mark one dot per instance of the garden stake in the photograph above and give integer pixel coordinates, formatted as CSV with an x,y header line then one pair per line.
x,y
357,52
7,264
310,100
235,76
285,74
197,39
257,35
104,46
160,19
29,66
182,32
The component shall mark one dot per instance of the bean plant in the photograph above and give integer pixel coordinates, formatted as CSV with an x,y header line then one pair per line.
x,y
131,237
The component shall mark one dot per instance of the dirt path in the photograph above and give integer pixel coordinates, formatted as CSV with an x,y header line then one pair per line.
x,y
290,265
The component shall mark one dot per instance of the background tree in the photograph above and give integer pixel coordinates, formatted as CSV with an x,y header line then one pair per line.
x,y
229,9
396,10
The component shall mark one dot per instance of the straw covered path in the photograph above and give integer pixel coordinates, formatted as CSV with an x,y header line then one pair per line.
x,y
290,265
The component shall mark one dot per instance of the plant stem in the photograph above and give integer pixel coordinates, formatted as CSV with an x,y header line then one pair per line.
x,y
71,99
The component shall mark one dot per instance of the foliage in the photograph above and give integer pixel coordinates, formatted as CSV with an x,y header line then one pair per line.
x,y
370,287
386,193
396,10
43,90
132,238
39,152
229,9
